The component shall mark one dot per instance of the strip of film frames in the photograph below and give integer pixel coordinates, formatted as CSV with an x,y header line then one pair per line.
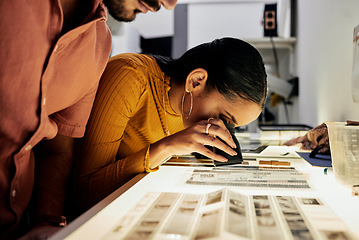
x,y
251,176
227,214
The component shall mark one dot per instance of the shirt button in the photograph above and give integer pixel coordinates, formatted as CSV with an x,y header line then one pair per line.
x,y
13,193
28,147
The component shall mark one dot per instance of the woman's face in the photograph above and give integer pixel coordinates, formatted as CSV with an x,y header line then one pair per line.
x,y
213,104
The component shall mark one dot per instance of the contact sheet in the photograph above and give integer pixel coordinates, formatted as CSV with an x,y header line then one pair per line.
x,y
228,214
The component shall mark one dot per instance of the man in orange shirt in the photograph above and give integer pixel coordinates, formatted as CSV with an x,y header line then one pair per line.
x,y
52,56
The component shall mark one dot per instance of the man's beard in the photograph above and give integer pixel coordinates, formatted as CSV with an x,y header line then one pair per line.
x,y
118,10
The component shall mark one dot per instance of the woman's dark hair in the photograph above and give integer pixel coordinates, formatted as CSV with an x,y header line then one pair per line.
x,y
235,68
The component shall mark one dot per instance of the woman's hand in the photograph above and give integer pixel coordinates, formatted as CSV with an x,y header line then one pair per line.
x,y
194,139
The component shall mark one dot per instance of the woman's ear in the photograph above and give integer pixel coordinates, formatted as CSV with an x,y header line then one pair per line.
x,y
196,80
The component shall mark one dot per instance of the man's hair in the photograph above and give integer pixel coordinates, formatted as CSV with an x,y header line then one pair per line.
x,y
235,68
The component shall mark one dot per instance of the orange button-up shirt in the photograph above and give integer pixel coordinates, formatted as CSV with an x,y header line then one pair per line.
x,y
48,82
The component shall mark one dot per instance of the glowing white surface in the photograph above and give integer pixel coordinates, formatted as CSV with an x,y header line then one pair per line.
x,y
172,179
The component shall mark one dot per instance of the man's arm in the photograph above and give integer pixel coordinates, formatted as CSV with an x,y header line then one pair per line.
x,y
53,164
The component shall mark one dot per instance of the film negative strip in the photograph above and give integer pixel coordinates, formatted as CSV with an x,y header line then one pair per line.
x,y
209,224
148,215
266,223
153,218
237,217
182,220
293,218
251,176
228,214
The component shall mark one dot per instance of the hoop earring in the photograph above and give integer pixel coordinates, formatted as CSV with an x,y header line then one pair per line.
x,y
190,109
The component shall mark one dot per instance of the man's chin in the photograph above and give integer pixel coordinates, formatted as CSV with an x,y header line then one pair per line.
x,y
123,18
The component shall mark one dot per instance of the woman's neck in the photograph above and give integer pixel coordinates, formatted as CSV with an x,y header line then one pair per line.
x,y
175,96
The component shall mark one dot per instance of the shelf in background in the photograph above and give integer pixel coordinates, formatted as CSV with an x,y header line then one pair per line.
x,y
279,42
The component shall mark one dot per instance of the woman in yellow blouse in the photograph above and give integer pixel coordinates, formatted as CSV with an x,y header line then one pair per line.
x,y
150,108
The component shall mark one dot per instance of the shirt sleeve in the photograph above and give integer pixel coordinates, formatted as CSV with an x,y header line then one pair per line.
x,y
72,121
100,172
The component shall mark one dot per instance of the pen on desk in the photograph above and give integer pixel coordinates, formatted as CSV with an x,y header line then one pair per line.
x,y
285,154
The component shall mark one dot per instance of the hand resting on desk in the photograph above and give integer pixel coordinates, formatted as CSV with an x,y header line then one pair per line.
x,y
316,138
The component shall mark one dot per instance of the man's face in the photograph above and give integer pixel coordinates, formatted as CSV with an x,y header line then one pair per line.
x,y
126,10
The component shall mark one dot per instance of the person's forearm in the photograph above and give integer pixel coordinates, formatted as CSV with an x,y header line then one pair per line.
x,y
51,184
53,165
159,151
92,185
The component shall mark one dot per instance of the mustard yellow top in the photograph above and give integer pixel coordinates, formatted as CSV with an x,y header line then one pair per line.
x,y
127,116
